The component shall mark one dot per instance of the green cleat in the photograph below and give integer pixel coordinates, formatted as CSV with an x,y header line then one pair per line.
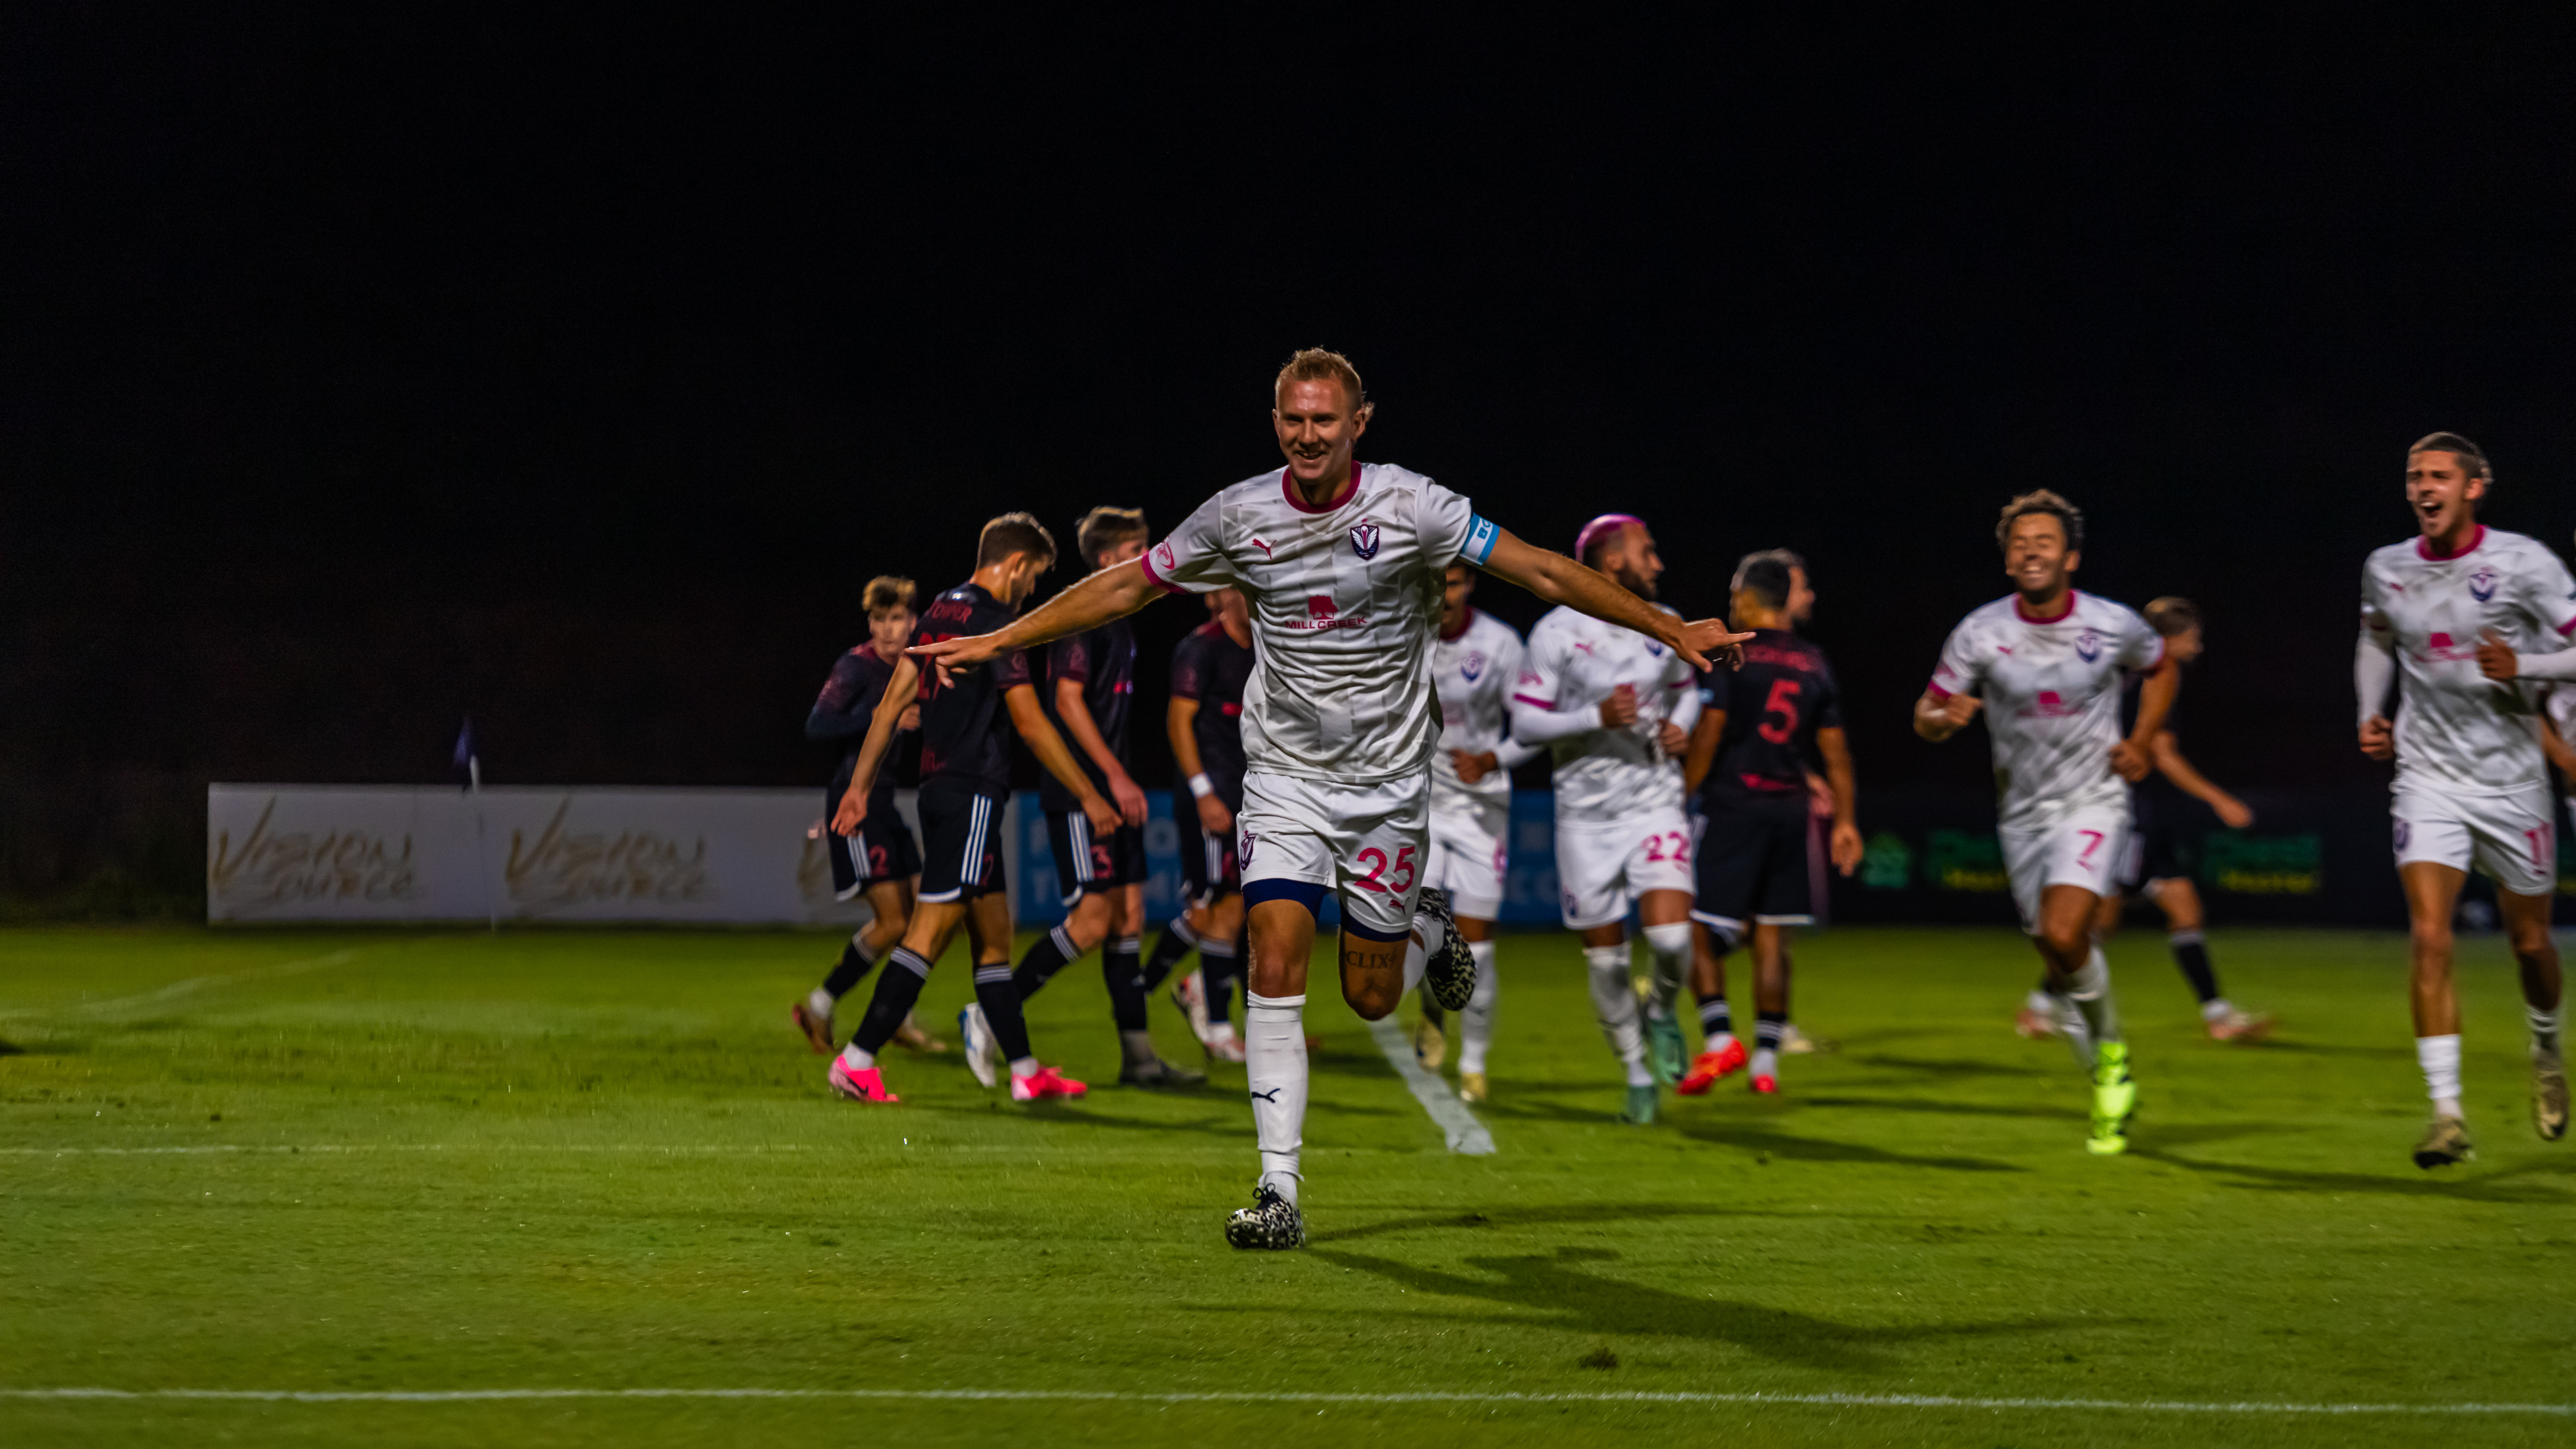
x,y
2115,1098
1666,1054
1641,1107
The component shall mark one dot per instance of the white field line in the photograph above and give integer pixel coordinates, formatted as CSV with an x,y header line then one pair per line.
x,y
1256,1396
545,1147
165,994
1466,1135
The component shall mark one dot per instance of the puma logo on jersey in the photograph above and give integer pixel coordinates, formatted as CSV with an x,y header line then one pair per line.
x,y
1265,550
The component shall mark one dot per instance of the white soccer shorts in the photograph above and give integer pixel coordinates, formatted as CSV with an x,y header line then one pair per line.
x,y
1467,856
1370,842
2513,838
1602,868
2082,847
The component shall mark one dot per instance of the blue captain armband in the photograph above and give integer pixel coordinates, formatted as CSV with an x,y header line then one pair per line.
x,y
1481,534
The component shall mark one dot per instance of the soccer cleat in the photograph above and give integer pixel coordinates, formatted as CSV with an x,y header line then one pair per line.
x,y
1793,1042
2031,1025
1156,1072
1641,1106
1226,1048
1471,1086
2240,1026
1189,993
2549,1096
1766,1085
1430,1044
1272,1222
865,1086
1710,1066
2446,1141
912,1038
1043,1084
1451,971
817,1029
2115,1100
982,1056
1665,1048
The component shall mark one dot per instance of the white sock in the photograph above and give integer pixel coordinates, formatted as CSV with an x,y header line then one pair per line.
x,y
2092,997
2544,1029
2072,1027
1614,1000
2216,1008
819,1002
1274,1053
1416,959
2041,1002
1221,1030
1476,1023
1024,1066
1766,1063
1428,930
1669,947
857,1060
2439,1056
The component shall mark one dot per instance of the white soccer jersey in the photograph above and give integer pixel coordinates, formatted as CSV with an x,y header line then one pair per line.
x,y
1345,600
2052,695
1573,663
2457,730
1472,677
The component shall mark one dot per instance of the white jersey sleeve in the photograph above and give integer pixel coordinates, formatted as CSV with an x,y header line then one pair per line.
x,y
1193,558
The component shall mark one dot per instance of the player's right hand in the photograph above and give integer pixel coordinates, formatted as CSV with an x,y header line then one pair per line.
x,y
1706,640
1102,815
1620,708
2496,658
1472,766
1960,709
2378,739
1214,818
951,655
1130,800
910,719
2233,814
852,810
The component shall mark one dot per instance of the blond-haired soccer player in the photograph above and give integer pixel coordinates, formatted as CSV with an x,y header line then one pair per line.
x,y
1342,562
2045,663
2471,787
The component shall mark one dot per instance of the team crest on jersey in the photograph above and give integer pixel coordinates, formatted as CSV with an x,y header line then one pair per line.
x,y
2088,646
1364,539
2482,584
1472,666
1655,649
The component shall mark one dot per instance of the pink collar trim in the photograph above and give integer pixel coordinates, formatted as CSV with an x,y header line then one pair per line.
x,y
2022,612
1288,487
2424,547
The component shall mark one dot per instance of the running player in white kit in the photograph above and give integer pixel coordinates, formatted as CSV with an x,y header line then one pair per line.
x,y
1473,663
2471,785
1616,708
2045,663
1342,562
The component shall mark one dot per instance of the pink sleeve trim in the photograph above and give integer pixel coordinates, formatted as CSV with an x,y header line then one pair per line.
x,y
1533,703
1934,689
1157,580
2567,628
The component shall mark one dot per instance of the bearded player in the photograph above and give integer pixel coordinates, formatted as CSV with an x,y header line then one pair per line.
x,y
2045,664
2460,615
1615,707
1342,562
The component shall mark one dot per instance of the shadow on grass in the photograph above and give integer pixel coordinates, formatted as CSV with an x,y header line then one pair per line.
x,y
2065,1113
2475,1186
1593,1304
1750,1137
1950,1067
1558,1215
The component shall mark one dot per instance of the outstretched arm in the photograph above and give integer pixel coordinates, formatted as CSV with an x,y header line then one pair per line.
x,y
1560,580
1112,593
891,705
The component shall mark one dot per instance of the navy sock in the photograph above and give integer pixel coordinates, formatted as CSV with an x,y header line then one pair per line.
x,y
1177,942
1217,964
898,987
1766,1029
1715,1017
853,966
2192,955
1126,979
1046,958
999,995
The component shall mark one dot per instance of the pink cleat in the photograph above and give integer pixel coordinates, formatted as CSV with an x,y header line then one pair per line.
x,y
1044,1083
864,1086
1710,1066
1766,1086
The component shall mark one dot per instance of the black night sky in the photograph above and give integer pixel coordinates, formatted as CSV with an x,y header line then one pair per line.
x,y
371,366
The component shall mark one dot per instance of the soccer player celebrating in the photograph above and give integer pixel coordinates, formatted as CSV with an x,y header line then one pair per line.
x,y
2153,862
1091,680
1342,563
2044,663
967,716
1204,722
1748,761
1615,707
880,861
2471,785
1473,664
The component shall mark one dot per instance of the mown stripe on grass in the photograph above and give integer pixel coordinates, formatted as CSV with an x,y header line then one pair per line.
x,y
1465,1134
1257,1396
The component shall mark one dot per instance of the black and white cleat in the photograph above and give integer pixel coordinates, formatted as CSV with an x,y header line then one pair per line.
x,y
1270,1223
1450,972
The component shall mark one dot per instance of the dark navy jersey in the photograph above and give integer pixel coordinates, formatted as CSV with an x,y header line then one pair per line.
x,y
1103,661
965,727
1211,668
1774,705
842,713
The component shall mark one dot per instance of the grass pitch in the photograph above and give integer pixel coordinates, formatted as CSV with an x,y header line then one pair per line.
x,y
376,1161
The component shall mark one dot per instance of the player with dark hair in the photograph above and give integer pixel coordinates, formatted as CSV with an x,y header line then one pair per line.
x,y
2153,865
880,861
1090,685
1341,561
1204,723
1758,869
967,716
2452,614
2045,664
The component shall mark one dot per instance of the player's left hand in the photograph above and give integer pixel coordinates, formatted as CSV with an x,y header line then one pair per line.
x,y
1130,800
951,655
1672,740
1704,639
2232,813
1102,815
2496,658
1845,847
852,810
2130,762
1472,766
